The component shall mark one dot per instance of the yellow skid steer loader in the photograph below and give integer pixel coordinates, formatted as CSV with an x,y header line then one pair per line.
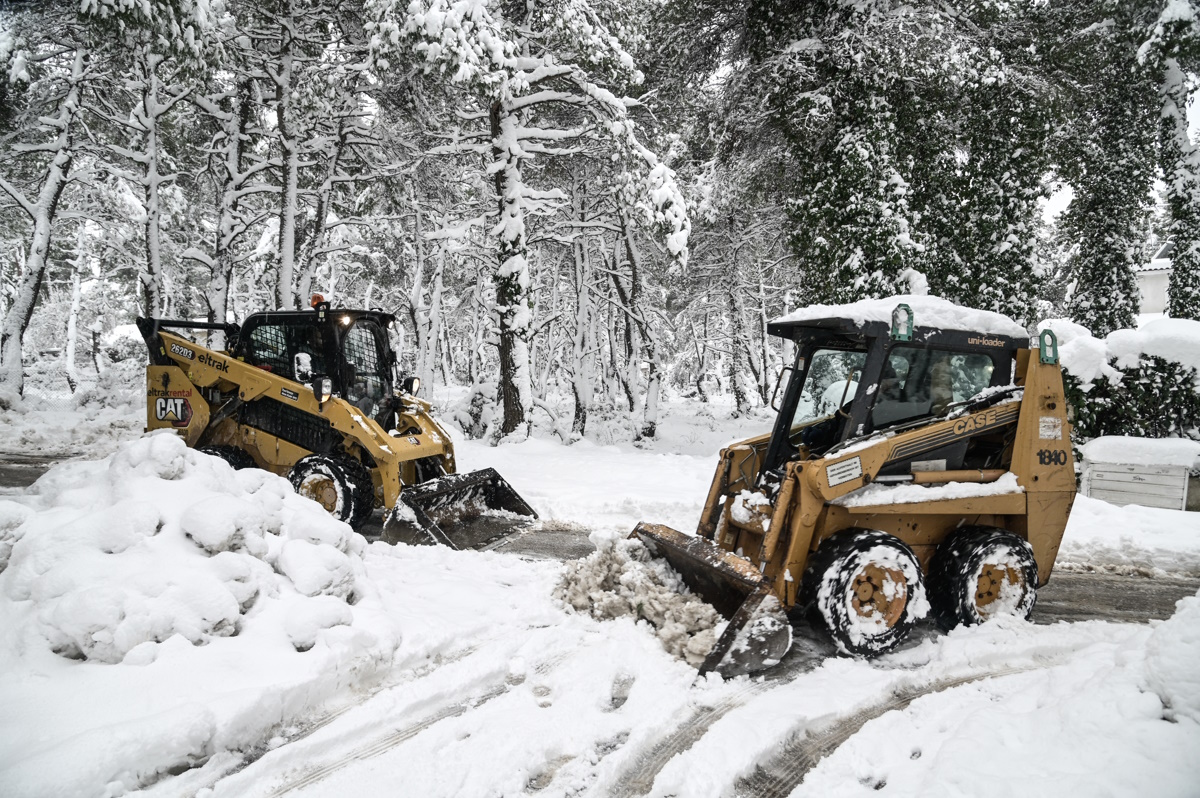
x,y
911,469
317,396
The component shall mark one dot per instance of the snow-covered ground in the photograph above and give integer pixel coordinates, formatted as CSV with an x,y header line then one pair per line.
x,y
241,643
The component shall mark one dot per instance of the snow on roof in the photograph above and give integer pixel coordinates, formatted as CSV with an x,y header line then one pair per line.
x,y
1128,450
928,311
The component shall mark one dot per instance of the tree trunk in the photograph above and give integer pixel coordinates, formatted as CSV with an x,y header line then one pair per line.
x,y
152,278
289,146
582,358
33,271
512,278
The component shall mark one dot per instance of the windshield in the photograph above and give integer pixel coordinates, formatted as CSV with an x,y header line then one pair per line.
x,y
830,383
918,382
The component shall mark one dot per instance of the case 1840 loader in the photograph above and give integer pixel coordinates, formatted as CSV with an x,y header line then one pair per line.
x,y
912,467
317,396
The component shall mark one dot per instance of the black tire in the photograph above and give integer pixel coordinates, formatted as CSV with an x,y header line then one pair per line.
x,y
238,458
846,591
979,572
338,483
364,490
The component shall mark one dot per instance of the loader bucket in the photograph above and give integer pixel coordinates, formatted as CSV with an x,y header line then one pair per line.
x,y
758,633
462,511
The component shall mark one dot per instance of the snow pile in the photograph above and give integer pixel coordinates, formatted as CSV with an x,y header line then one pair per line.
x,y
622,580
1129,450
172,542
156,566
908,493
928,311
1130,540
1171,656
1088,358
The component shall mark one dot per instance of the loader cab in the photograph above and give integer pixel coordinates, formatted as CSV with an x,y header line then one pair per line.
x,y
350,347
850,380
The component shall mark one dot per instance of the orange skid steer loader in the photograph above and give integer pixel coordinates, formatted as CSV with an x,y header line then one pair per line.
x,y
920,462
317,396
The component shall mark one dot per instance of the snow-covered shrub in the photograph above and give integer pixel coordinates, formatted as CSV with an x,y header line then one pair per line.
x,y
161,541
474,414
118,386
124,343
1155,399
1141,382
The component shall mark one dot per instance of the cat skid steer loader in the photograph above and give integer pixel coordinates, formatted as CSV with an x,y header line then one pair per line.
x,y
317,396
912,468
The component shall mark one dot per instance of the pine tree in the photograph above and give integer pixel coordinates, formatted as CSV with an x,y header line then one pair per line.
x,y
1173,49
1106,154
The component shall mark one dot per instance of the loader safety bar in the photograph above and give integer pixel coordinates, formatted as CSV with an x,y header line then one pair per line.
x,y
149,328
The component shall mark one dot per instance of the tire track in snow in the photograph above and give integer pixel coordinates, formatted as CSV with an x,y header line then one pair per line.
x,y
806,655
386,743
778,776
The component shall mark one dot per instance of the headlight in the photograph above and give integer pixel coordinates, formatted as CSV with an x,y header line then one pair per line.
x,y
411,385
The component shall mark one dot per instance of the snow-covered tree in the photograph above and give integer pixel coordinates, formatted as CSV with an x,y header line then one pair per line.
x,y
1173,47
540,75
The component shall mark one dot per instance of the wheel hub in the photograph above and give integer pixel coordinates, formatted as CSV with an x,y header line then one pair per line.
x,y
321,490
880,591
993,579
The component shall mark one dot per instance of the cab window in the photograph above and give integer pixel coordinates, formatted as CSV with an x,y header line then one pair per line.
x,y
272,347
366,380
830,382
920,382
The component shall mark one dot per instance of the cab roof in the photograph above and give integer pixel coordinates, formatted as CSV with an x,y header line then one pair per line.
x,y
873,318
284,316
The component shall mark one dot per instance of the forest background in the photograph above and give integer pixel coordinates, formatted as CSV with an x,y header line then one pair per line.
x,y
576,205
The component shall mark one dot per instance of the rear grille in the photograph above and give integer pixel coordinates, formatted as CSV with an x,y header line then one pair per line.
x,y
289,423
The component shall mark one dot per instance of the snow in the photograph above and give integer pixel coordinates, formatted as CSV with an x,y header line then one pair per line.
x,y
1130,540
169,595
367,669
1088,358
621,580
908,493
1177,340
1129,450
928,311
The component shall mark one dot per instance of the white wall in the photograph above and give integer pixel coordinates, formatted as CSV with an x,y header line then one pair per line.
x,y
1153,288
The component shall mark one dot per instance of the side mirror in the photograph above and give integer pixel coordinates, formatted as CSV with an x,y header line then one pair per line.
x,y
322,388
302,366
410,385
778,382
